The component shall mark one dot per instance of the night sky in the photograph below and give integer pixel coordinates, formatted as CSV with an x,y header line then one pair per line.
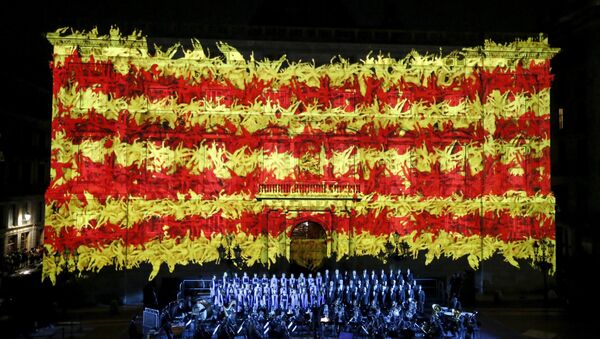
x,y
26,53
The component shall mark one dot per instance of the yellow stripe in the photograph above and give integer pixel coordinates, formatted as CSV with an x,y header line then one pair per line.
x,y
128,212
122,52
159,158
258,116
203,249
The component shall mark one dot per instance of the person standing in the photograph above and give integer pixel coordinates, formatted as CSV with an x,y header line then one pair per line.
x,y
420,299
150,298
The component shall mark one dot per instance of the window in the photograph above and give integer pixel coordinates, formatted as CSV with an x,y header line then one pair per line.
x,y
26,214
24,241
11,245
13,212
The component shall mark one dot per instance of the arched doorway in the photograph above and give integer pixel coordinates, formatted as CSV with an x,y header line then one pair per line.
x,y
308,247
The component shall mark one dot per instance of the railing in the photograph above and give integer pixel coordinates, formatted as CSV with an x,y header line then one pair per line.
x,y
323,188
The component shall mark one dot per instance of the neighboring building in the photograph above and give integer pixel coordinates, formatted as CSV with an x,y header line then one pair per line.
x,y
24,175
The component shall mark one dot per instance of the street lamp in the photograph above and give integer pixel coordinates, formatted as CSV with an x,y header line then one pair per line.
x,y
66,254
237,253
542,257
396,248
225,253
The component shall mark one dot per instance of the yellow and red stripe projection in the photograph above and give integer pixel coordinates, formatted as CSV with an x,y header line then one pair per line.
x,y
156,159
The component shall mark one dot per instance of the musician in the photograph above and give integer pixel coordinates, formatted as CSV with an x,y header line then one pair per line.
x,y
376,286
384,296
321,295
230,294
294,301
356,315
301,281
245,279
274,297
225,279
248,296
402,292
292,281
373,277
313,297
274,282
393,291
230,310
374,298
326,278
325,313
239,298
331,294
283,281
265,280
236,280
264,301
400,277
283,298
303,299
336,275
255,279
348,295
365,276
339,294
213,287
383,276
257,295
409,276
454,303
411,308
218,297
310,280
319,280
354,276
339,313
365,296
267,298
420,299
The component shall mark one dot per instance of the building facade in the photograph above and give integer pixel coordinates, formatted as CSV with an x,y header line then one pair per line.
x,y
24,175
161,158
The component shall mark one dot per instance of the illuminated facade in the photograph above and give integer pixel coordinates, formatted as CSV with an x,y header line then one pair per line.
x,y
164,160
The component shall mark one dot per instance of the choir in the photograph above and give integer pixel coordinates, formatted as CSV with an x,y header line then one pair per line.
x,y
394,293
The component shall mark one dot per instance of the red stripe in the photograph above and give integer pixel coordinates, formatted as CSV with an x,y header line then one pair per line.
x,y
95,126
104,178
503,226
156,86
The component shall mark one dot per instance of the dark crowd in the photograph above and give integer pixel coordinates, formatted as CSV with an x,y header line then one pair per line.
x,y
18,260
